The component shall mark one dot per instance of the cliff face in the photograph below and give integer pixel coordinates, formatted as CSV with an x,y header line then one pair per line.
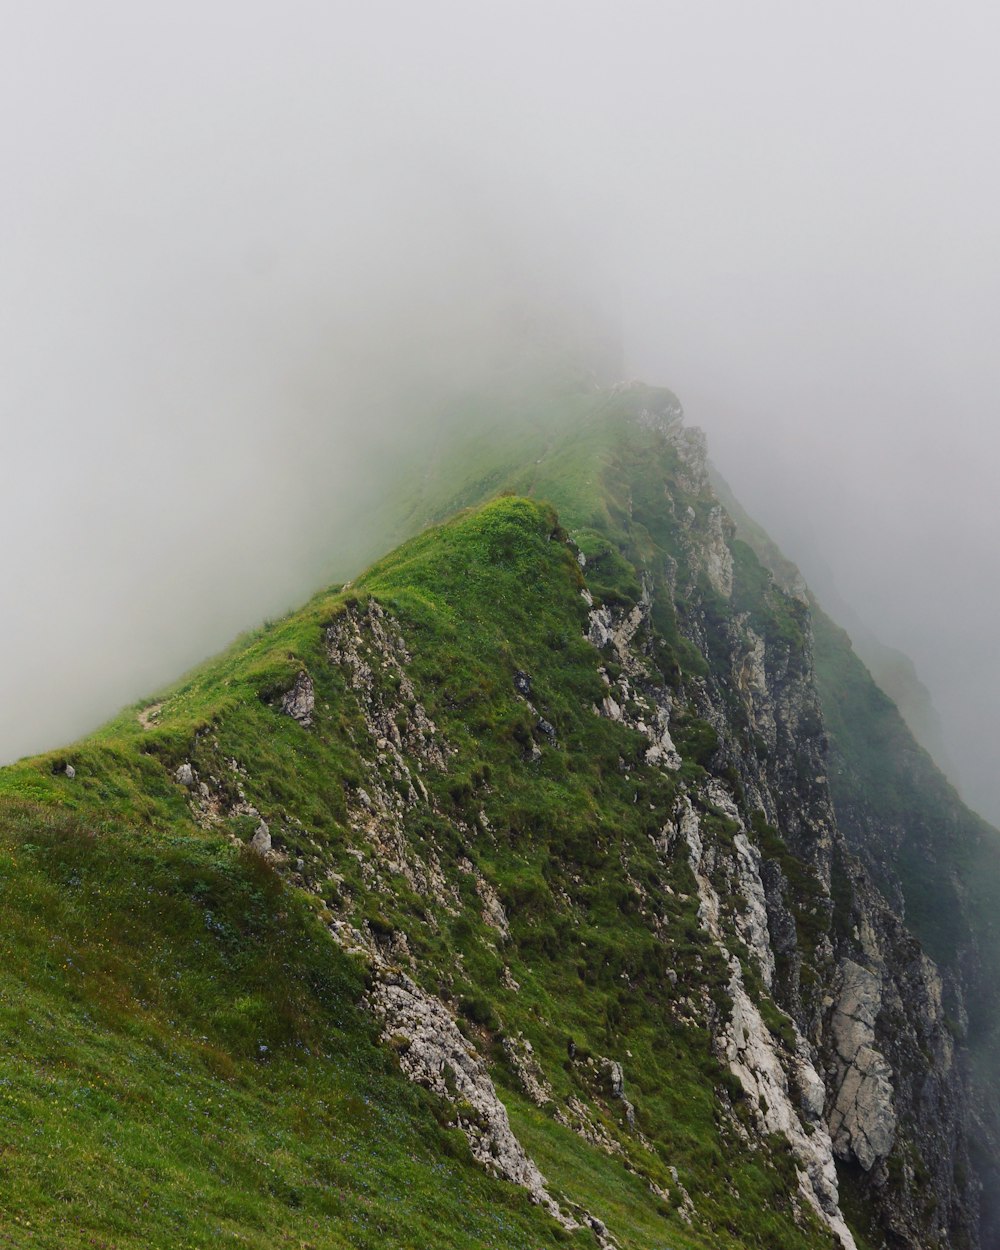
x,y
936,861
559,786
874,1015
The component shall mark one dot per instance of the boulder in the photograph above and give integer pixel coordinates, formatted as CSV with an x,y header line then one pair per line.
x,y
261,840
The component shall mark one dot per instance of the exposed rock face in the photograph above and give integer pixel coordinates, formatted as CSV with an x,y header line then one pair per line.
x,y
638,687
905,1098
368,646
616,1083
755,1059
299,702
356,641
863,1119
751,1051
520,1055
751,681
434,1053
493,911
872,1078
718,557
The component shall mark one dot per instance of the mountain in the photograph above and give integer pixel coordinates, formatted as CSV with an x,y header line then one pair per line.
x,y
563,880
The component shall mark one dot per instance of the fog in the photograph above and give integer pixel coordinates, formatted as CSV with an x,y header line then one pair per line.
x,y
247,248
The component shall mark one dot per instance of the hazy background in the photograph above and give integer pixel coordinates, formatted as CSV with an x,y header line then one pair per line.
x,y
245,247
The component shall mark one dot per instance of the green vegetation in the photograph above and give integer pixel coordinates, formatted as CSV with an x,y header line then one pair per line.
x,y
185,1063
187,1059
190,1060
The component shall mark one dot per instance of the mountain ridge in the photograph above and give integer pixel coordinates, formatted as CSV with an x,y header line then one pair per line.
x,y
561,793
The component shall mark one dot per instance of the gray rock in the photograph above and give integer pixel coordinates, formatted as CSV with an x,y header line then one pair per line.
x,y
863,1119
440,1058
616,1083
750,1048
718,559
184,776
261,840
300,701
633,699
70,771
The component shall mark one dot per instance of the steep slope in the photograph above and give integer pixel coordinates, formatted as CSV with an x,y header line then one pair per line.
x,y
892,671
496,899
895,673
935,859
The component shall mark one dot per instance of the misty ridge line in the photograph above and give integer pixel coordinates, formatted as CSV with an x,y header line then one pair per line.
x,y
247,260
529,357
373,459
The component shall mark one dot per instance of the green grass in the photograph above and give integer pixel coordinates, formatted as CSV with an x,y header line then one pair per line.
x,y
185,1063
188,1061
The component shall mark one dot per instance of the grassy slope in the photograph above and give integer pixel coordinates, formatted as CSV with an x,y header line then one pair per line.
x,y
187,1060
185,1064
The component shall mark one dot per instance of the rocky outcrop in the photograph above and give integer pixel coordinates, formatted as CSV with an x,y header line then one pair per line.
x,y
863,1117
433,1052
368,645
261,840
299,702
867,1072
717,558
521,1057
750,1049
616,1085
636,698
